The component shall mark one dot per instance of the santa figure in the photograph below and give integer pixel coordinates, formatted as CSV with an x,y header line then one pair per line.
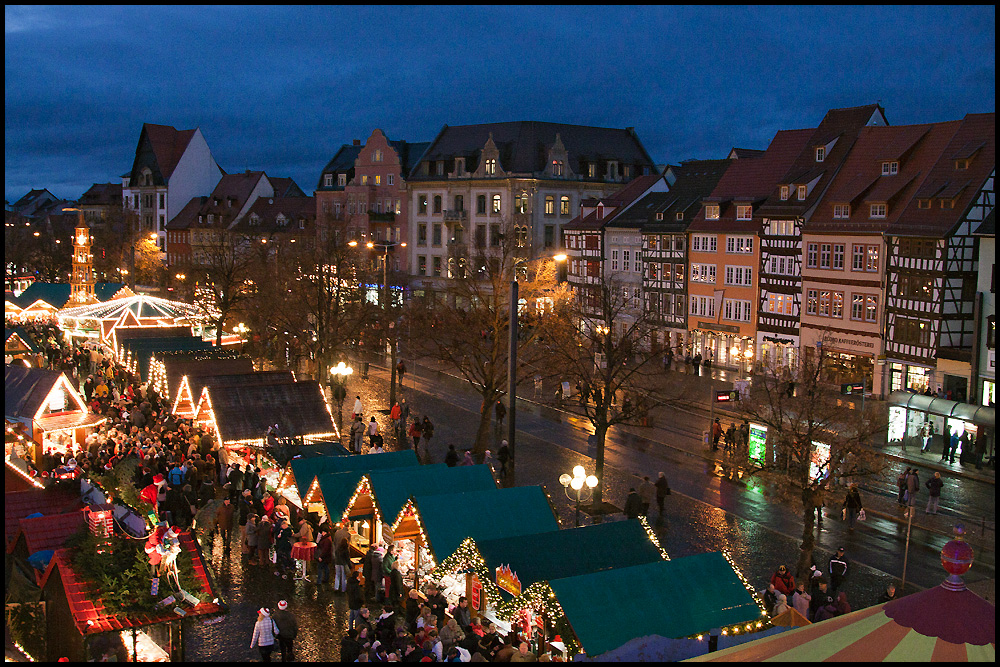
x,y
151,492
153,543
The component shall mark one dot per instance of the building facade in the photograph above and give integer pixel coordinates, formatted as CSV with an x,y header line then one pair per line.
x,y
528,178
170,168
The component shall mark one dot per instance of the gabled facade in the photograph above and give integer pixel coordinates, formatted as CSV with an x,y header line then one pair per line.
x,y
594,255
474,180
724,251
931,263
984,358
781,218
99,202
170,168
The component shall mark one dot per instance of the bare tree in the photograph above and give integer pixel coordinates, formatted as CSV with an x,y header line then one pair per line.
x,y
601,349
804,415
469,329
224,274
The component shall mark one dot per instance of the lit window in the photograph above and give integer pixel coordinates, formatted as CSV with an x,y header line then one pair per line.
x,y
890,168
491,167
550,205
564,205
712,212
496,203
783,192
744,212
802,192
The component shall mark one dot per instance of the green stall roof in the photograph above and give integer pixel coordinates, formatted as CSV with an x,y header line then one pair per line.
x,y
338,487
448,519
308,468
392,488
571,552
674,599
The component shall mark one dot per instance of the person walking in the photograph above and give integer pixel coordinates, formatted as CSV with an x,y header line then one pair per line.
x,y
357,408
263,635
912,490
633,504
451,458
501,412
662,491
250,541
503,456
355,599
837,569
400,372
341,562
264,540
395,414
288,629
852,506
357,434
415,433
324,556
934,485
372,431
901,485
716,434
427,430
224,522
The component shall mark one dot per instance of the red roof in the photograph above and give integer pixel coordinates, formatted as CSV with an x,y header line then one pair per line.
x,y
751,180
19,504
168,144
92,618
48,532
614,203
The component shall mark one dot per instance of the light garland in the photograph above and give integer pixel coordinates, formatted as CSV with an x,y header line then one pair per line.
x,y
652,538
744,627
410,511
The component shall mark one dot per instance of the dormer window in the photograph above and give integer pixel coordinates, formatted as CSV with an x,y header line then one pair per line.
x,y
591,170
254,220
802,192
877,211
281,221
342,180
459,166
491,167
783,192
890,168
947,203
744,212
302,223
821,153
440,168
923,203
557,167
211,218
201,219
962,164
679,216
659,216
612,170
841,210
712,212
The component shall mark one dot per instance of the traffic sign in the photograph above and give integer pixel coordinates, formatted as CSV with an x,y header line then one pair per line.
x,y
727,396
852,388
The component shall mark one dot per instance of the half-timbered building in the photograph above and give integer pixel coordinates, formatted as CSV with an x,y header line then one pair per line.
x,y
931,272
844,253
781,218
724,252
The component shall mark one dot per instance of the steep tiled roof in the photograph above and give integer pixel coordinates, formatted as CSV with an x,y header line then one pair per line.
x,y
614,202
975,141
245,412
168,144
751,180
25,389
524,145
102,194
341,163
860,182
92,618
188,215
695,180
268,209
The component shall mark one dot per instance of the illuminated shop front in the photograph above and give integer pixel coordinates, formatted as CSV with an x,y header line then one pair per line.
x,y
777,352
722,345
926,420
906,377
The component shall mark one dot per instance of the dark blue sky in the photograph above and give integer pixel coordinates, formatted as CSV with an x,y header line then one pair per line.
x,y
281,88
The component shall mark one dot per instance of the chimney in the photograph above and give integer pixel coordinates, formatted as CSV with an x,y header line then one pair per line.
x,y
357,142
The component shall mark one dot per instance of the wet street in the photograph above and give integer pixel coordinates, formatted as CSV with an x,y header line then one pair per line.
x,y
706,512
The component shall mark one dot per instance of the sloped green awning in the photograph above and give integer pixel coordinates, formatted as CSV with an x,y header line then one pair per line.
x,y
392,488
448,519
571,552
308,468
674,599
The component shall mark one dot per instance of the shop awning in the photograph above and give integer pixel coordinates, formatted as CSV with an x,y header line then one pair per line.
x,y
448,519
674,599
979,415
68,421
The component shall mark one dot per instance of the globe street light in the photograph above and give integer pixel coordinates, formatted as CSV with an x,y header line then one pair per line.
x,y
338,388
583,486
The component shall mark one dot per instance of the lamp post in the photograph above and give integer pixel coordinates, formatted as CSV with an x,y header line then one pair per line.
x,y
385,248
338,388
582,485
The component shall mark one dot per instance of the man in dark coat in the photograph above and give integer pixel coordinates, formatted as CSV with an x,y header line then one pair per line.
x,y
437,603
224,522
838,570
633,505
288,629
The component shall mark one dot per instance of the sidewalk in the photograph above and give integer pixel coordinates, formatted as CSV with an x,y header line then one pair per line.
x,y
981,535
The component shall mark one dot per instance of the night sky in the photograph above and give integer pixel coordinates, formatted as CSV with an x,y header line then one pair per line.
x,y
280,89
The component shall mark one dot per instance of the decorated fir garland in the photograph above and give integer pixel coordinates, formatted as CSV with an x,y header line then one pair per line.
x,y
120,573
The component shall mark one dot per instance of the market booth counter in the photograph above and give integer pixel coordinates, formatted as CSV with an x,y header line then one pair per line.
x,y
53,414
430,528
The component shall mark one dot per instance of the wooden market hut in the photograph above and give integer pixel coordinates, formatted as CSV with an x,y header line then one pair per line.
x,y
439,524
19,346
678,598
507,572
44,533
19,503
46,403
227,372
299,476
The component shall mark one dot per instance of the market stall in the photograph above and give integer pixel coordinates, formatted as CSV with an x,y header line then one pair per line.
x,y
430,528
184,376
300,474
100,321
683,597
19,347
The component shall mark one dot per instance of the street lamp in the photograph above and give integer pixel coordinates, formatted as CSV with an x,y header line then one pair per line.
x,y
338,388
583,486
241,330
385,248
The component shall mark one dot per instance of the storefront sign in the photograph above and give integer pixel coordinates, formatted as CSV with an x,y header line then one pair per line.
x,y
779,341
508,580
712,326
